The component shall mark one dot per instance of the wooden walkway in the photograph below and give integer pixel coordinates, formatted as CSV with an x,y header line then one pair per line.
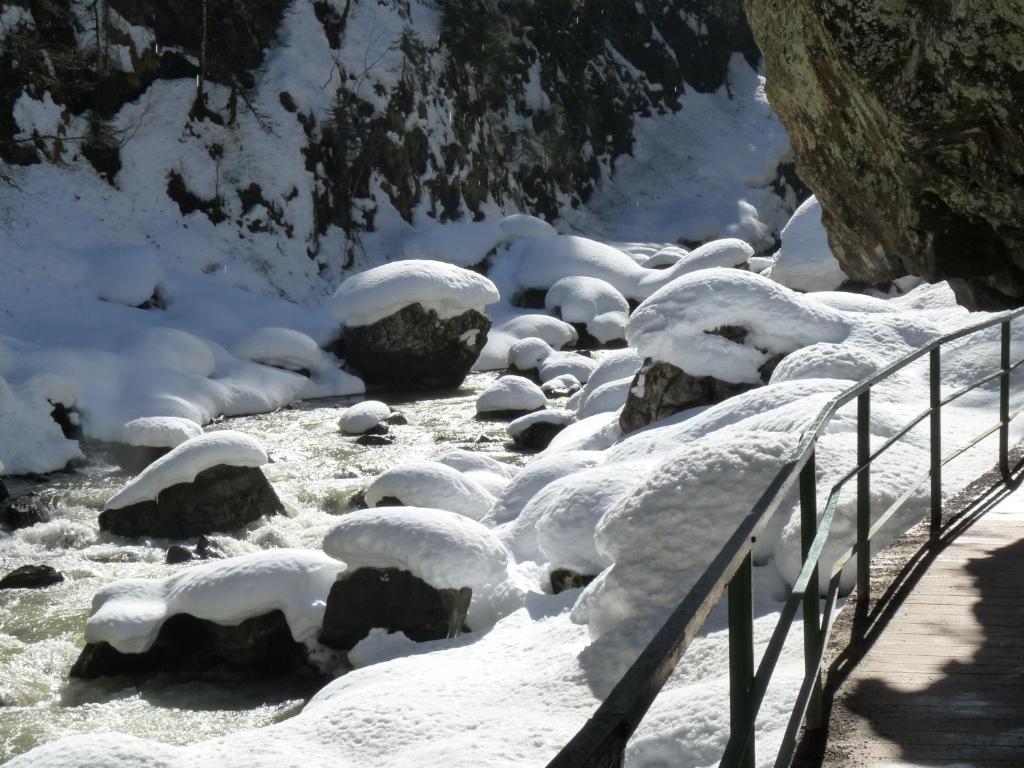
x,y
939,681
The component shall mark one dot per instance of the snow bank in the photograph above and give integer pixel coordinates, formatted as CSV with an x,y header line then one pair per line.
x,y
677,323
128,614
160,431
535,476
281,348
727,252
433,485
512,394
31,441
805,261
129,276
446,550
182,464
377,293
169,348
362,417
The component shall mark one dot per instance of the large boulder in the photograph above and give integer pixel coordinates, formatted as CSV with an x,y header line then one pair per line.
x,y
222,498
660,390
31,577
262,644
916,106
391,599
23,512
415,348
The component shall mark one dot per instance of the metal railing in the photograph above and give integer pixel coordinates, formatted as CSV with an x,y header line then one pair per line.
x,y
601,743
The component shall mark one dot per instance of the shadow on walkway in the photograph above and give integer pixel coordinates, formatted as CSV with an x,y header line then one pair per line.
x,y
960,698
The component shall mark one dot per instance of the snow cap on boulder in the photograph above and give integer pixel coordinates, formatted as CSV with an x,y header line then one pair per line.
x,y
431,484
511,394
446,550
280,348
362,417
449,290
160,431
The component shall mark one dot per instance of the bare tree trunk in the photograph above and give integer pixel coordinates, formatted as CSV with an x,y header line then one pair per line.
x,y
201,80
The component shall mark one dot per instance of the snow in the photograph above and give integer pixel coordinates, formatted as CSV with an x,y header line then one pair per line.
x,y
564,383
128,614
511,394
464,244
616,365
30,441
434,485
542,263
727,252
169,348
610,396
281,348
665,257
504,334
362,417
528,354
805,261
558,416
448,290
563,363
129,276
160,431
181,465
535,476
445,549
584,300
491,474
522,225
676,324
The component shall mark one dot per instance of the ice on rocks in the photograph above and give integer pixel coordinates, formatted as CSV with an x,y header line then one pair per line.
x,y
128,614
511,394
445,549
281,348
805,261
160,431
187,460
449,290
362,417
433,485
678,324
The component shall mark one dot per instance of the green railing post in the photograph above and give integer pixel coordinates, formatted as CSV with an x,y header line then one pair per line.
x,y
1004,401
741,651
863,498
812,619
935,390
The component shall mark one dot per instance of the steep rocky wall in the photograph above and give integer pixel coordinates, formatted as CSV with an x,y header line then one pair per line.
x,y
906,119
451,107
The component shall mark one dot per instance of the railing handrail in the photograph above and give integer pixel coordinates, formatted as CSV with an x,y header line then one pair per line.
x,y
601,742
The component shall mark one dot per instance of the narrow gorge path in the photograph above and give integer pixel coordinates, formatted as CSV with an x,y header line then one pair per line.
x,y
933,675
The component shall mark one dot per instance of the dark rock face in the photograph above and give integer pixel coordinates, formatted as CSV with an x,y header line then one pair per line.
x,y
415,349
262,645
916,106
23,512
31,577
537,436
394,600
219,499
563,579
4,495
668,390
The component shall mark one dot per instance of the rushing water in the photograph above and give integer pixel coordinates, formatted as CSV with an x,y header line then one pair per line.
x,y
315,470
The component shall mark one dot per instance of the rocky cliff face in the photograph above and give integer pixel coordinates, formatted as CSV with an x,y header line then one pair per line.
x,y
318,119
906,121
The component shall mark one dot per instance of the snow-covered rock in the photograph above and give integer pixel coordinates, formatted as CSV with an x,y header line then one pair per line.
x,y
544,262
610,396
617,365
445,549
727,252
448,290
527,354
433,485
583,300
683,324
560,386
665,257
160,431
490,473
186,461
535,476
562,363
363,417
31,441
280,348
554,332
522,225
511,394
129,276
128,614
535,431
464,244
805,261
